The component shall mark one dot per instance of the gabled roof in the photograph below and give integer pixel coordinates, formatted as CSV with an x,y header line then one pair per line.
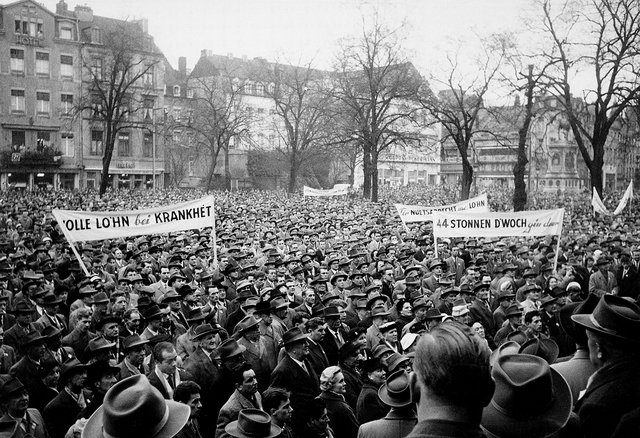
x,y
16,3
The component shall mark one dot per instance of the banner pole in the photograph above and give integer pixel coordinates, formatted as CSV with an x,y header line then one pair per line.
x,y
214,240
75,251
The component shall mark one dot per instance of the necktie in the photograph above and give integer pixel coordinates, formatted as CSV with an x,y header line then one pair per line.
x,y
172,382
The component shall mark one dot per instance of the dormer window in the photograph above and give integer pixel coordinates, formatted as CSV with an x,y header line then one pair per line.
x,y
176,90
96,36
66,32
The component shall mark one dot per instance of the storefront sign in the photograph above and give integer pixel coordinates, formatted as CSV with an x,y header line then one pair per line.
x,y
125,164
27,40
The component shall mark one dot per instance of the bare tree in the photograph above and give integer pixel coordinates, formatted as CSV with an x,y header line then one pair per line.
x,y
217,117
117,71
303,119
459,106
602,37
379,87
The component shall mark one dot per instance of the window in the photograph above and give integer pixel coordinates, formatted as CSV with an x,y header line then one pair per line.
x,y
66,104
123,144
190,93
42,102
259,89
33,27
91,180
67,145
147,77
96,69
17,60
96,36
96,143
147,145
17,141
176,90
248,88
96,108
66,32
43,140
147,105
42,63
17,101
66,66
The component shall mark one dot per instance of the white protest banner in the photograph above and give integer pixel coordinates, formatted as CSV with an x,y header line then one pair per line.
x,y
81,226
337,190
628,195
417,213
597,204
475,224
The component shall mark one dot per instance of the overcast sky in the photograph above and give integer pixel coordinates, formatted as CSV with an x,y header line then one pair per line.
x,y
303,30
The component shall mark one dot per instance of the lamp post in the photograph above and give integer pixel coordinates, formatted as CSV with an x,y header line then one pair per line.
x,y
153,146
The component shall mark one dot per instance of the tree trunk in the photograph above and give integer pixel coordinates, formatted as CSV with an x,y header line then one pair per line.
x,y
597,176
520,189
227,170
467,178
212,168
366,166
106,161
374,175
293,176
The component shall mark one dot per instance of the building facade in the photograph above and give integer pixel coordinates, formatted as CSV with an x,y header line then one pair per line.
x,y
46,142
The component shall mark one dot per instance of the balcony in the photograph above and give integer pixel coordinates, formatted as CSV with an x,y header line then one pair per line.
x,y
44,157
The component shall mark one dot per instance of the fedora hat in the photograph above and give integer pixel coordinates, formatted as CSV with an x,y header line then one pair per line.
x,y
433,314
134,408
292,336
507,347
263,308
33,338
381,349
98,369
98,344
419,303
379,311
395,360
253,423
613,317
337,275
247,323
230,348
435,263
50,299
133,341
172,295
107,318
153,311
387,326
573,330
530,398
23,307
70,367
50,332
544,348
547,300
9,385
331,311
396,390
100,298
348,349
195,315
203,330
513,310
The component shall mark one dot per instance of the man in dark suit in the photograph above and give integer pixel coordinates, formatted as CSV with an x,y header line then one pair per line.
x,y
166,375
134,354
53,349
245,396
480,309
50,315
62,411
7,355
13,394
28,368
317,357
79,338
23,326
295,374
204,369
627,278
333,339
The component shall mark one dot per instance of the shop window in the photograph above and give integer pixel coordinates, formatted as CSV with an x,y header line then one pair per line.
x,y
124,181
67,181
92,180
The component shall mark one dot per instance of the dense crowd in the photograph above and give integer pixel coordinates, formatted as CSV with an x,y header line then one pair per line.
x,y
317,317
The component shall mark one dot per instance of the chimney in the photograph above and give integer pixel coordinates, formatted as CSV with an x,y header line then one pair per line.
x,y
84,13
61,8
182,65
144,24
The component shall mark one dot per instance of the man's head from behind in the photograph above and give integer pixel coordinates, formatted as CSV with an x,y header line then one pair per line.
x,y
452,369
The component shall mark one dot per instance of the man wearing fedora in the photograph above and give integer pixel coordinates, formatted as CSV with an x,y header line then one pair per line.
x,y
613,392
317,357
603,281
101,376
480,308
253,423
295,374
203,367
379,316
133,408
401,419
134,353
50,304
62,411
245,396
255,352
27,368
19,421
153,317
15,336
513,316
185,344
7,355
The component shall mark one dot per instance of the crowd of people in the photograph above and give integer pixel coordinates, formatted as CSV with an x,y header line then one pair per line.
x,y
319,318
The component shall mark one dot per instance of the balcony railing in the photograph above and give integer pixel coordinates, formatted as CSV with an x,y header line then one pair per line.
x,y
31,158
